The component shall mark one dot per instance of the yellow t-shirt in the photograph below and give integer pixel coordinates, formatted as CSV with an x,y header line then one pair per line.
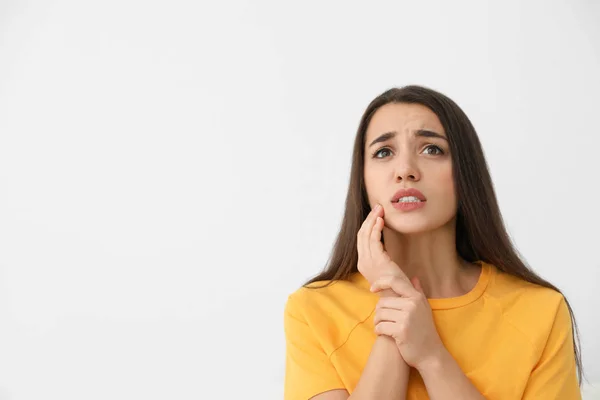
x,y
511,338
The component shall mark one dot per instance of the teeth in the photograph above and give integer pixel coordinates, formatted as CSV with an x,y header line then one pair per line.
x,y
408,199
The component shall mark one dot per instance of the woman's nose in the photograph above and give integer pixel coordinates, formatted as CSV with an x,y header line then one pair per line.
x,y
407,171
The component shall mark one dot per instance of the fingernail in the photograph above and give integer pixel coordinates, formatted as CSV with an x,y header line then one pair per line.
x,y
376,207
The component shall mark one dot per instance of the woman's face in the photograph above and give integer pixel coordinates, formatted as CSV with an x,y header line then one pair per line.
x,y
409,159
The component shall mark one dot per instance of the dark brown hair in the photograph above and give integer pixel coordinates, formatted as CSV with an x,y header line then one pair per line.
x,y
480,231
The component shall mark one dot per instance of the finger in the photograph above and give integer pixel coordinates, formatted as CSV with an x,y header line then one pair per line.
x,y
361,235
399,285
417,284
389,315
365,231
376,247
386,328
397,303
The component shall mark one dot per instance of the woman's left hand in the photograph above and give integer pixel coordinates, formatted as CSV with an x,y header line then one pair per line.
x,y
409,320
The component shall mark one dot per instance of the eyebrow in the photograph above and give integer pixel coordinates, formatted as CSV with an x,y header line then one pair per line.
x,y
420,132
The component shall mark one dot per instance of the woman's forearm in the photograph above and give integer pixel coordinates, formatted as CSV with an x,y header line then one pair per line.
x,y
385,376
444,379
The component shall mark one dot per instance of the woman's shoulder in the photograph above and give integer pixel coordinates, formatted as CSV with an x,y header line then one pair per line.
x,y
529,307
511,289
353,283
348,298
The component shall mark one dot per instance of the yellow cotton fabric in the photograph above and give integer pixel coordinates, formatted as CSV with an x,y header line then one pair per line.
x,y
511,338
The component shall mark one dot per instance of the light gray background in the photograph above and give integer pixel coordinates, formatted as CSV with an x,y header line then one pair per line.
x,y
171,171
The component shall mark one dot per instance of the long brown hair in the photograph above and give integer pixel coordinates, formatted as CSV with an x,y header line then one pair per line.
x,y
480,231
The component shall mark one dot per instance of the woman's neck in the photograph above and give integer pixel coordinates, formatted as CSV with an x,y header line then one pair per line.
x,y
432,257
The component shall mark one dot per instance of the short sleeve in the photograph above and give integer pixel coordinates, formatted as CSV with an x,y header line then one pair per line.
x,y
308,370
555,375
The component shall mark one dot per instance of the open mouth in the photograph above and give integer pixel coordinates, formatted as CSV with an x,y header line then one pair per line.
x,y
409,199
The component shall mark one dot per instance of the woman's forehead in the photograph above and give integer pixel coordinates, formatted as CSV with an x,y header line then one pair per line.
x,y
403,118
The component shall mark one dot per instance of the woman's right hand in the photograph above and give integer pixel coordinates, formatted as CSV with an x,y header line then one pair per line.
x,y
373,261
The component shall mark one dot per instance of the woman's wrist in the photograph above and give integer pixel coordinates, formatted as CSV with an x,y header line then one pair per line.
x,y
444,378
435,363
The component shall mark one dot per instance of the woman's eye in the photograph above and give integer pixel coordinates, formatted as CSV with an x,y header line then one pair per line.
x,y
436,148
380,151
384,152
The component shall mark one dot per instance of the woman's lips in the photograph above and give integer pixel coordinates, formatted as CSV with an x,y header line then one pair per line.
x,y
408,192
409,205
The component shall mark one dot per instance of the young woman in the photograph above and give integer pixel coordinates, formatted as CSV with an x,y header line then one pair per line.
x,y
424,296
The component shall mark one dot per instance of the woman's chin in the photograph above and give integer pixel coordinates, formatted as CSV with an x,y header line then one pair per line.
x,y
410,228
413,224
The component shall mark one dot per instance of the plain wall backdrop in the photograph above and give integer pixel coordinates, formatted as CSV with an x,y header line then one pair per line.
x,y
171,171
